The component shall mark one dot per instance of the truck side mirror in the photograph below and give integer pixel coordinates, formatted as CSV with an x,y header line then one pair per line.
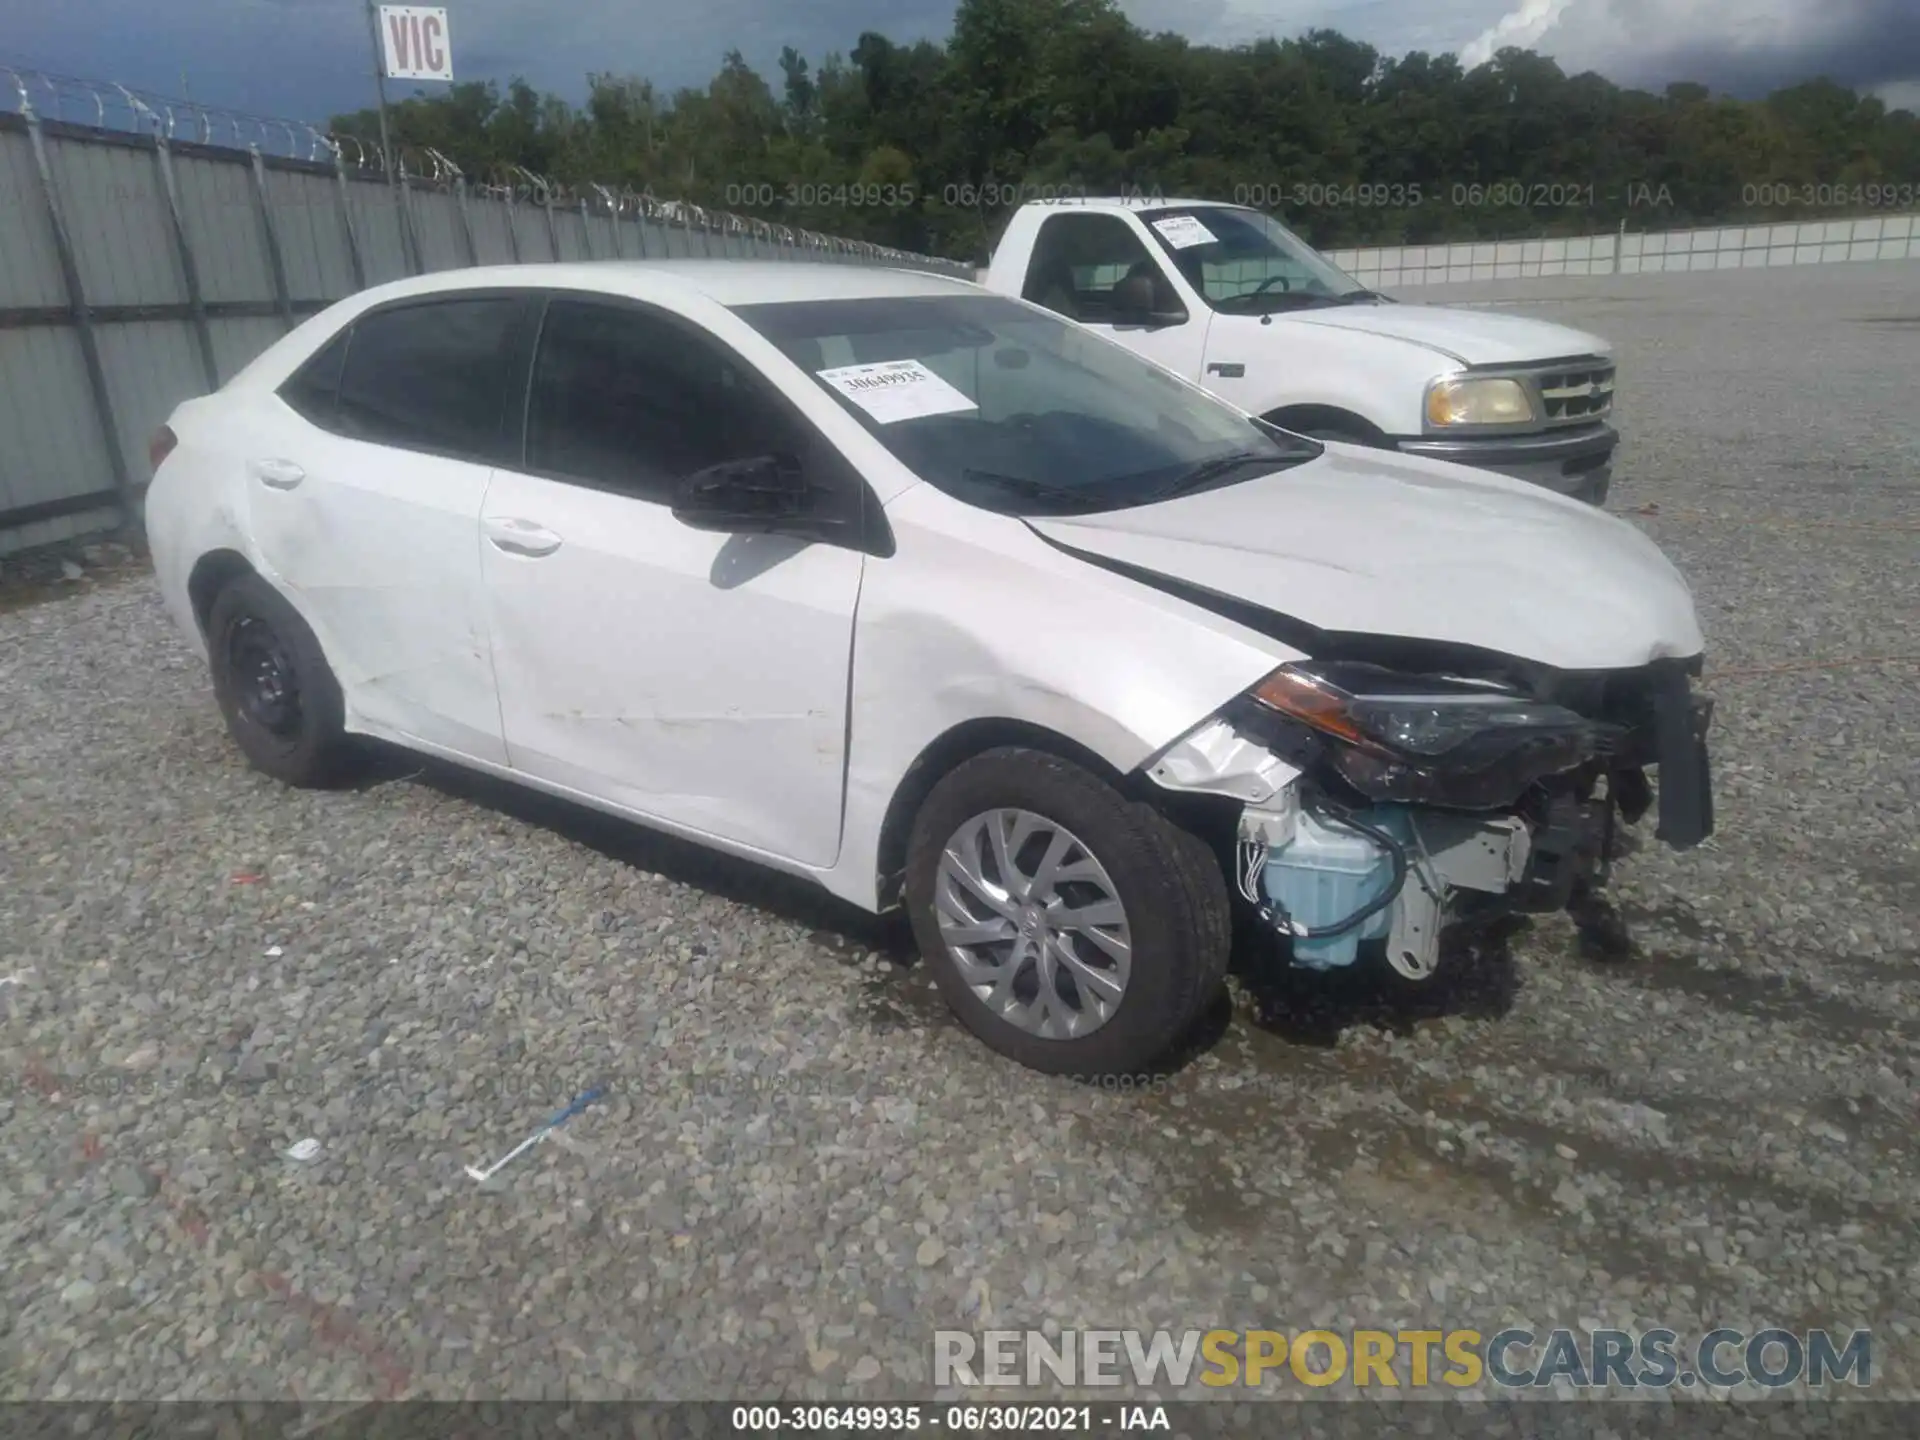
x,y
1146,300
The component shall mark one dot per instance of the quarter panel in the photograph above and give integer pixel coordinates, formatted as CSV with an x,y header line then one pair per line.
x,y
197,502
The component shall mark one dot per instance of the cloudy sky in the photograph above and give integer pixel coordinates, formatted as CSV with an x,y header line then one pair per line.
x,y
309,58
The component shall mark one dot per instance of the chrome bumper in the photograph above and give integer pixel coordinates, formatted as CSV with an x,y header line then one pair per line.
x,y
1578,464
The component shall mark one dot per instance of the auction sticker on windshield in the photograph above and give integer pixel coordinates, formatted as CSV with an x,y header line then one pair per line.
x,y
896,390
1183,232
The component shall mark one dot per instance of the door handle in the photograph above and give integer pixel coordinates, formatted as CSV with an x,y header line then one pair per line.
x,y
280,474
522,537
1227,369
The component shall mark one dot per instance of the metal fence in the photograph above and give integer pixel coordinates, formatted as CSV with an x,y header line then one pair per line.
x,y
149,250
1726,247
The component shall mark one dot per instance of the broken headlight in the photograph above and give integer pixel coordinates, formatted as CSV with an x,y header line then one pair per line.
x,y
1422,740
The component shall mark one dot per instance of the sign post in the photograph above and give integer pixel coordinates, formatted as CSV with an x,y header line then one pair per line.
x,y
410,42
380,85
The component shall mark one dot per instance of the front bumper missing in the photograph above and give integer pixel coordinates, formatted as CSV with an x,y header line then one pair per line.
x,y
1579,465
1573,838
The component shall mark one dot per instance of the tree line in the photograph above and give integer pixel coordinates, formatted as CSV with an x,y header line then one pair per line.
x,y
929,146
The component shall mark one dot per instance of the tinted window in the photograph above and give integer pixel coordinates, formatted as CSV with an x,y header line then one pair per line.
x,y
627,400
313,388
432,376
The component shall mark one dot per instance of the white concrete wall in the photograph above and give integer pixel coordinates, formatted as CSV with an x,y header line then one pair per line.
x,y
1893,237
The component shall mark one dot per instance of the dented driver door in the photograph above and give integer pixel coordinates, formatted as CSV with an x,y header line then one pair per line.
x,y
695,677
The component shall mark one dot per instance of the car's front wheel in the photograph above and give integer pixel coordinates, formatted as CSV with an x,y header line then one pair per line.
x,y
282,704
1072,929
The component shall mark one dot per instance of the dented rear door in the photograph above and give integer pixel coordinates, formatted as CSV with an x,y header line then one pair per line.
x,y
364,490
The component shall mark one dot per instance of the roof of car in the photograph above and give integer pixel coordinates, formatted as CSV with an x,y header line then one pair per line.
x,y
1132,202
726,282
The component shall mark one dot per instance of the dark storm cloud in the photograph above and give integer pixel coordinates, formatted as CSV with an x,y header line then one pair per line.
x,y
1863,43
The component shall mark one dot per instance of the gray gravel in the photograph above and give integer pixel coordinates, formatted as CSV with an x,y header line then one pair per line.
x,y
1699,1112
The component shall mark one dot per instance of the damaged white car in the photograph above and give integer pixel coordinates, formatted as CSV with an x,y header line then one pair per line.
x,y
938,599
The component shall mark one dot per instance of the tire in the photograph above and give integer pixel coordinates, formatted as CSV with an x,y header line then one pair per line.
x,y
1172,899
1339,437
281,701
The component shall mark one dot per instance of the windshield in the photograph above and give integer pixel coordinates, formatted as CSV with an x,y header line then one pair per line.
x,y
1248,262
1013,409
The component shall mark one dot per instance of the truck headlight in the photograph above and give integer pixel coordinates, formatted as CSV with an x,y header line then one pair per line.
x,y
1418,739
1467,401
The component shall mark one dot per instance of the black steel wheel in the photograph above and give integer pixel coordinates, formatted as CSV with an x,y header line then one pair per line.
x,y
281,701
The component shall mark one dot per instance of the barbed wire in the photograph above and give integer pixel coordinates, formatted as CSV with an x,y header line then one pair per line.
x,y
107,105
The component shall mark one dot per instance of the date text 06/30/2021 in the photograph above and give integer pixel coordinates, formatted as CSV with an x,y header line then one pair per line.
x,y
1461,195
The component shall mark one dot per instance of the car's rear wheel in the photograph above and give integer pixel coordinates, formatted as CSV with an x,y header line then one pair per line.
x,y
281,702
1070,928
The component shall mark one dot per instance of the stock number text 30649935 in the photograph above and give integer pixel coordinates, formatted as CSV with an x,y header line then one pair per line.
x,y
799,195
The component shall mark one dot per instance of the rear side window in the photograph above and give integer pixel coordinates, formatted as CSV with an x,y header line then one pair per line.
x,y
314,388
433,376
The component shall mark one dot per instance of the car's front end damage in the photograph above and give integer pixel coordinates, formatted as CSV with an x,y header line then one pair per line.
x,y
1385,802
1474,684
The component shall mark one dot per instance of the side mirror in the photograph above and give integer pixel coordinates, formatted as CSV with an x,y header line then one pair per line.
x,y
1142,300
765,492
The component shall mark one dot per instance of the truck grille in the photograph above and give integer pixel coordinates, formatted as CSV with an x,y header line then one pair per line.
x,y
1576,393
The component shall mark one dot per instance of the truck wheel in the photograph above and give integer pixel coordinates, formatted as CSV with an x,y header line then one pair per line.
x,y
281,702
1073,930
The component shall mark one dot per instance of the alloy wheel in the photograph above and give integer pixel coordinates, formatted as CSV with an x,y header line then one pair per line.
x,y
1033,923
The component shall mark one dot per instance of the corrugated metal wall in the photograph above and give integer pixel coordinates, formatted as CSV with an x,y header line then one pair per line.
x,y
136,272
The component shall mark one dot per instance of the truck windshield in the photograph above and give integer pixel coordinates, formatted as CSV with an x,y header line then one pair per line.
x,y
1010,408
1244,261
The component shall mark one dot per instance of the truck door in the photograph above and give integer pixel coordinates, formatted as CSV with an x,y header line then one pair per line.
x,y
1081,259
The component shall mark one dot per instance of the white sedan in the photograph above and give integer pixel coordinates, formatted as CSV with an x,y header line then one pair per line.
x,y
938,599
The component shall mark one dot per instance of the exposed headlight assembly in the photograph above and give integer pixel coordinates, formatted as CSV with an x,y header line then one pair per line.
x,y
1420,740
1464,400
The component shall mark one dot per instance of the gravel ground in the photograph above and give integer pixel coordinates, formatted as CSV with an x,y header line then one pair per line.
x,y
1697,1111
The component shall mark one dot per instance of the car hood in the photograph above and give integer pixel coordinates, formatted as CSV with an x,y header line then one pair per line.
x,y
1366,542
1472,337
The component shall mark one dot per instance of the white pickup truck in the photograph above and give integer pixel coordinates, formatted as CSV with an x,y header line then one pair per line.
x,y
1234,301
